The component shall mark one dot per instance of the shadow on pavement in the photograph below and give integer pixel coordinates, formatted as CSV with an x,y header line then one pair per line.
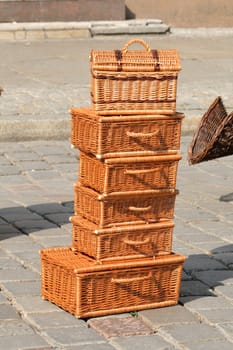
x,y
25,220
206,273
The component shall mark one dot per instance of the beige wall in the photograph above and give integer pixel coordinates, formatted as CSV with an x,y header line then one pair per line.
x,y
184,13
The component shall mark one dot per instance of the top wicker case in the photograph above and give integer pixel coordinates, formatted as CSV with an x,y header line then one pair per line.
x,y
134,81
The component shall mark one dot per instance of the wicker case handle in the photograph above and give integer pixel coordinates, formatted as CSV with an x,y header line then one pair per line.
x,y
131,242
140,208
135,41
140,171
129,280
141,134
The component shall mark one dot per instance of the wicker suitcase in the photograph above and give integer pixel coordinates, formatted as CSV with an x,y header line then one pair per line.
x,y
134,81
124,207
128,174
119,136
125,241
81,286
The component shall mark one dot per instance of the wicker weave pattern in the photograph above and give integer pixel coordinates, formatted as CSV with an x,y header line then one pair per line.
x,y
108,288
128,174
124,207
132,81
213,137
121,242
124,136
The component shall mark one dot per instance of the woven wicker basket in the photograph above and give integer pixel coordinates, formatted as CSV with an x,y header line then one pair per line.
x,y
118,136
124,207
134,81
85,288
214,135
128,174
125,241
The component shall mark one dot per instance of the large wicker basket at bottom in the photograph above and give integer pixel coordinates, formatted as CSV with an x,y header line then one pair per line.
x,y
214,135
81,286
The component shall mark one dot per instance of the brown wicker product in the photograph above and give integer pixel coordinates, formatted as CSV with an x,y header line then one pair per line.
x,y
125,241
124,207
81,286
128,174
118,136
214,135
134,81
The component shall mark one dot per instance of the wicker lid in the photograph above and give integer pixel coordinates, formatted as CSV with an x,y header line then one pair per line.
x,y
73,260
146,60
80,220
90,113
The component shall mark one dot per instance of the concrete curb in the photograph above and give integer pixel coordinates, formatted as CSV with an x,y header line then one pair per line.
x,y
59,30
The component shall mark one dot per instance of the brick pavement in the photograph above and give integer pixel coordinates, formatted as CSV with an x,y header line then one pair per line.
x,y
36,191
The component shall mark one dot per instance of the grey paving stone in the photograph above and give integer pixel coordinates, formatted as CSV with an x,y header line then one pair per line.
x,y
50,232
218,316
102,346
35,304
206,302
8,170
19,214
59,218
210,345
56,241
23,341
215,278
18,275
28,225
73,335
3,299
228,328
225,290
49,208
60,158
54,319
200,262
33,165
14,327
23,287
140,342
22,155
184,333
225,258
13,180
168,315
7,312
7,263
194,288
13,245
43,175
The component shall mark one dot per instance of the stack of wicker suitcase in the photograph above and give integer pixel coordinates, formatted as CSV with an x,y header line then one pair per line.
x,y
121,256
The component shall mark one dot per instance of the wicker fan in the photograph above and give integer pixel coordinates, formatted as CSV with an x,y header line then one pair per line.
x,y
214,135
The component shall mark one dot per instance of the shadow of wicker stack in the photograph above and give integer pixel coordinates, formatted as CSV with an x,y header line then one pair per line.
x,y
214,135
1,90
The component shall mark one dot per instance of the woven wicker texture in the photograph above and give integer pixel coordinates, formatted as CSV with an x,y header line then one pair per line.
x,y
120,136
214,135
124,207
133,81
87,289
123,241
128,174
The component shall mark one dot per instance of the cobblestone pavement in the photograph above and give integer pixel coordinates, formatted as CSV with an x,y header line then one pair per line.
x,y
36,191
